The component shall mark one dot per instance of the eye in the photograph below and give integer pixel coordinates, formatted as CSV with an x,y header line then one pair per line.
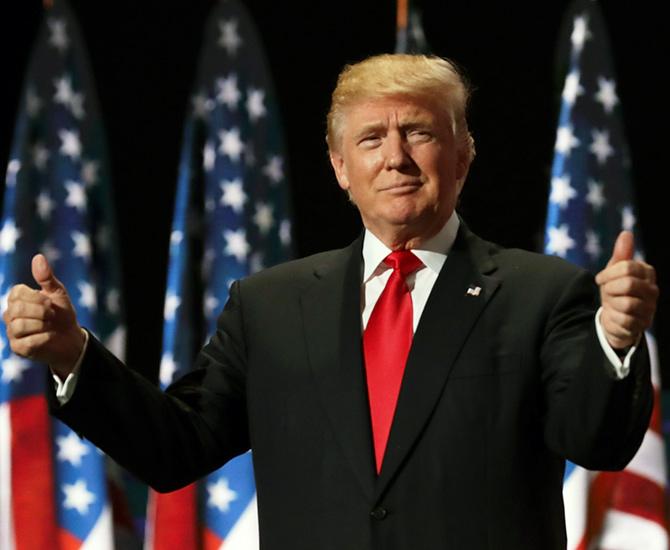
x,y
369,141
419,135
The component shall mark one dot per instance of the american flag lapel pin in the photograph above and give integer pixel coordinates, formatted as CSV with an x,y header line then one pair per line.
x,y
474,290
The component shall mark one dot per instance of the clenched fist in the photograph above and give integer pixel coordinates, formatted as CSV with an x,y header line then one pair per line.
x,y
628,295
42,324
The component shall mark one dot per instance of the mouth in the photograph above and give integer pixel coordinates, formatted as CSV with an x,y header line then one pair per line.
x,y
401,187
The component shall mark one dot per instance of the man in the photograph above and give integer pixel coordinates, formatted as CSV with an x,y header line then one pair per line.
x,y
446,422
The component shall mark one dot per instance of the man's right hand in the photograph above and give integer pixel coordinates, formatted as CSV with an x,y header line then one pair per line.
x,y
42,324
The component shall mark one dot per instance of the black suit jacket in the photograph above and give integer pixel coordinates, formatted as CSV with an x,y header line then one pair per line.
x,y
499,389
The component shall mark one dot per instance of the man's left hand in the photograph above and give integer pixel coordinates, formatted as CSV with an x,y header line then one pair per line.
x,y
628,295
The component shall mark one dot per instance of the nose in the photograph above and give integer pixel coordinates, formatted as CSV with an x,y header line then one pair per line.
x,y
396,155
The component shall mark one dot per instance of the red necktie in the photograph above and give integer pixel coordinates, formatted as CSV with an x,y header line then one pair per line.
x,y
386,343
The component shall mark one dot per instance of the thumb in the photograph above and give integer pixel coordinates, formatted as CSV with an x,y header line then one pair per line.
x,y
44,276
624,248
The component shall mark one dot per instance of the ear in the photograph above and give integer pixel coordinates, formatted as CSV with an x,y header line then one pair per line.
x,y
462,168
337,162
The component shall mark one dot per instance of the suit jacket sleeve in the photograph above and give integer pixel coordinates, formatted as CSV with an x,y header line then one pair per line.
x,y
166,439
593,419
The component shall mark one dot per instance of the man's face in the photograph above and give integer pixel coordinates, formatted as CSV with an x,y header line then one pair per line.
x,y
397,158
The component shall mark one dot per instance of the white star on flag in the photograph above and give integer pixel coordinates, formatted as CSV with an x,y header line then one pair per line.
x,y
255,106
82,245
236,244
40,156
233,194
113,301
202,105
51,252
176,237
566,140
44,205
167,369
592,246
76,195
561,191
211,304
572,88
172,302
580,33
71,449
256,262
9,234
274,169
606,95
208,156
64,90
285,232
78,496
220,494
595,196
264,218
228,93
628,219
89,172
14,367
231,144
70,144
88,298
600,146
559,241
229,38
13,167
58,37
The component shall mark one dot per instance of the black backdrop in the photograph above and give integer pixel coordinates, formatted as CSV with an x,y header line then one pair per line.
x,y
144,54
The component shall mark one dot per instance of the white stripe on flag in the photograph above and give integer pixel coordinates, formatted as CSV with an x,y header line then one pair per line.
x,y
653,359
575,502
244,535
101,536
624,531
6,519
648,461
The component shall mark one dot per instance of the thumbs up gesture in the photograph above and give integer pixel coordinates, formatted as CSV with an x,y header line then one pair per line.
x,y
42,324
628,295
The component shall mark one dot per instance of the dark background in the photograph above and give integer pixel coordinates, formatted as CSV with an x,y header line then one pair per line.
x,y
144,55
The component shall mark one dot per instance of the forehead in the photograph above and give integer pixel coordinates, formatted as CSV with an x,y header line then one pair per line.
x,y
392,110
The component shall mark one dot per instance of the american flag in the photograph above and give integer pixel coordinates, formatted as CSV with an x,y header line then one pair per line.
x,y
53,490
410,37
231,219
590,202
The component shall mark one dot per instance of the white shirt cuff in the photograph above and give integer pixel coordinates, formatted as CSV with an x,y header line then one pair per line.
x,y
621,366
65,389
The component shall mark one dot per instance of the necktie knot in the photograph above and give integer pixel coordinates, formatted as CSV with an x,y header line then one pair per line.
x,y
403,261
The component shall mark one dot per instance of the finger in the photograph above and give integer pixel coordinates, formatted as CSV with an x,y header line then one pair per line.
x,y
29,310
641,309
622,325
627,268
44,276
33,346
631,287
26,294
624,248
19,328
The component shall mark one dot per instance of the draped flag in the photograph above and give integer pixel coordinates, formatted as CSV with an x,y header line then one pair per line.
x,y
409,30
230,220
591,201
53,490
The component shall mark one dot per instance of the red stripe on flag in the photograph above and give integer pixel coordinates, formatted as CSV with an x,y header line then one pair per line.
x,y
626,492
67,541
33,505
175,520
655,422
210,541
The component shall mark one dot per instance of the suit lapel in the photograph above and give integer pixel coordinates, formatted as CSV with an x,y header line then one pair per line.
x,y
437,342
332,318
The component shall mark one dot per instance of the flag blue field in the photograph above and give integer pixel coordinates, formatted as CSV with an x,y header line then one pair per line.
x,y
231,219
53,487
590,202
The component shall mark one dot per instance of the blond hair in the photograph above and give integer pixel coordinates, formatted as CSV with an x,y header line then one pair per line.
x,y
415,76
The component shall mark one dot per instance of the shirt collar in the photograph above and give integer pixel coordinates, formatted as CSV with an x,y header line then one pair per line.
x,y
432,253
